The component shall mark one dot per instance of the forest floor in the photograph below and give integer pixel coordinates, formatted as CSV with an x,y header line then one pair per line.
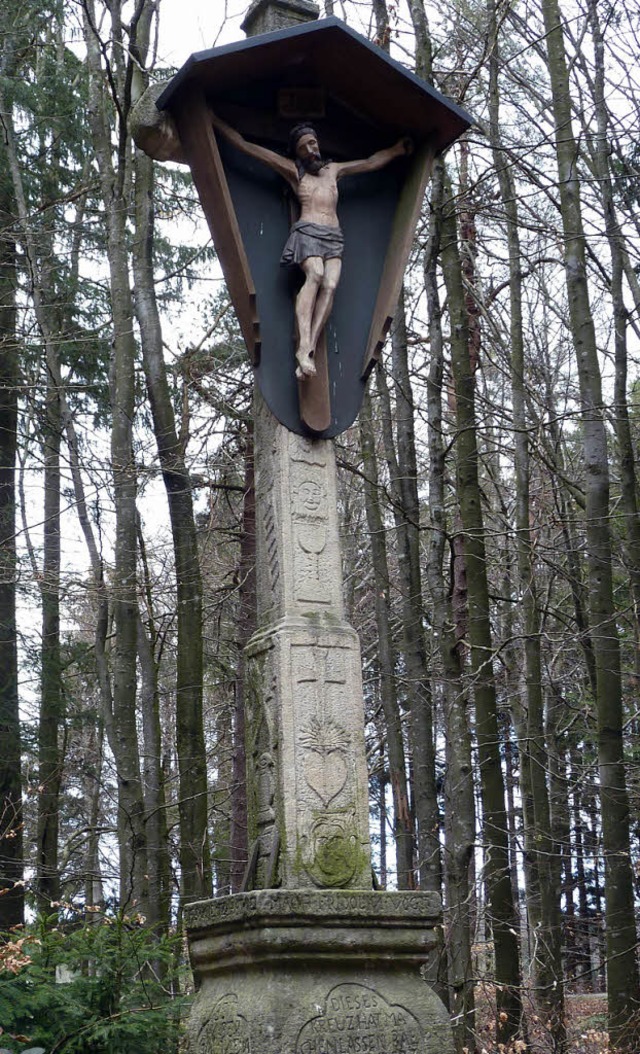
x,y
587,1017
586,1027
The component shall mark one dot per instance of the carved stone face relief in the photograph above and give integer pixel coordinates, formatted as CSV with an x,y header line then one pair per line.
x,y
310,495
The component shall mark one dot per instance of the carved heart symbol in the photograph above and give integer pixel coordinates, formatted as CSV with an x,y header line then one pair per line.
x,y
326,774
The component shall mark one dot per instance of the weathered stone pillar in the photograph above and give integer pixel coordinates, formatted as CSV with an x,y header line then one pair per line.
x,y
308,786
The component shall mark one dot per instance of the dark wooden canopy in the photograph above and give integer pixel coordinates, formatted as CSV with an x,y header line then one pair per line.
x,y
375,88
360,100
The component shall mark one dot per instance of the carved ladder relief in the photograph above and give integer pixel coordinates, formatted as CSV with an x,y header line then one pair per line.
x,y
271,542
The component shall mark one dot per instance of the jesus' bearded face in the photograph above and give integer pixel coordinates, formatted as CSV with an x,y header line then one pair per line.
x,y
308,153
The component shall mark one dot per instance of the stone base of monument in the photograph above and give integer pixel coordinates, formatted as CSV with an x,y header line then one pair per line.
x,y
315,972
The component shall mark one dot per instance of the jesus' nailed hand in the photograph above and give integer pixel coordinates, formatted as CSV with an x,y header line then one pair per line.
x,y
315,241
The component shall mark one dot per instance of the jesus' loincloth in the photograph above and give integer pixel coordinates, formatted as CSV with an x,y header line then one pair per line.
x,y
312,239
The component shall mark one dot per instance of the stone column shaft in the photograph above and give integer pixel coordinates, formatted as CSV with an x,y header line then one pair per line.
x,y
308,786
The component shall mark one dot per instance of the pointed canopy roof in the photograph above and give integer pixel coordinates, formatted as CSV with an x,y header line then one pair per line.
x,y
372,86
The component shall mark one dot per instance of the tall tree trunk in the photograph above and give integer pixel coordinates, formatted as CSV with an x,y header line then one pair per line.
x,y
11,838
542,852
39,255
401,457
387,659
114,176
407,505
623,983
458,790
621,423
404,487
49,753
247,624
158,862
497,877
195,860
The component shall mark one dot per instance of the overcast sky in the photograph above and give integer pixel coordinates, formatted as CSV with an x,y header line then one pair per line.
x,y
194,25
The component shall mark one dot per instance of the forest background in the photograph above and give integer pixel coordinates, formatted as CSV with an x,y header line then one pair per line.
x,y
489,510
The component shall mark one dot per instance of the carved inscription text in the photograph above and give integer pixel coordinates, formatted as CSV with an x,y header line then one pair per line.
x,y
357,1020
226,1030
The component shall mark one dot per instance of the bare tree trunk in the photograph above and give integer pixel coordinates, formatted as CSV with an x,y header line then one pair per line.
x,y
544,869
247,623
623,983
458,790
503,917
195,861
49,754
387,658
11,840
58,417
158,862
194,841
114,176
406,507
39,255
401,457
621,423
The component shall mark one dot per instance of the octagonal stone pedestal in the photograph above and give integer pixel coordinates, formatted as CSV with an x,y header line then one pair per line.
x,y
315,972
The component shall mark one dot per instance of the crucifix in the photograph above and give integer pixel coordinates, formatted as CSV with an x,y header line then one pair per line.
x,y
229,113
316,241
248,118
282,966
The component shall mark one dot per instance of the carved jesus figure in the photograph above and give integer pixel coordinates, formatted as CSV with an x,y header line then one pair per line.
x,y
315,242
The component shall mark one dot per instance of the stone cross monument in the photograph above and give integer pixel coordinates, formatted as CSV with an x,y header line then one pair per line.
x,y
309,959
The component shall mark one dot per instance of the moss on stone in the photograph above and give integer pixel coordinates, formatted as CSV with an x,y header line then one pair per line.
x,y
335,861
